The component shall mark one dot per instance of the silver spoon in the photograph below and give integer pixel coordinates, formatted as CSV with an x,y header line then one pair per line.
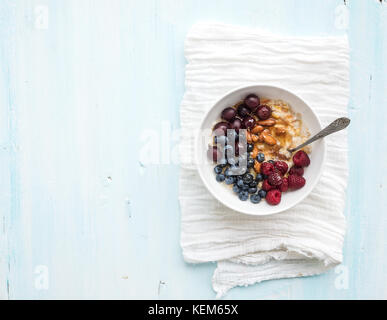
x,y
337,125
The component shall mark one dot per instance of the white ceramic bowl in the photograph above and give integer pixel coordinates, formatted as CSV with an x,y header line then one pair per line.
x,y
224,193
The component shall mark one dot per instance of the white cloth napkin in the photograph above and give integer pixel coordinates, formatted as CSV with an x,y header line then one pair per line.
x,y
307,239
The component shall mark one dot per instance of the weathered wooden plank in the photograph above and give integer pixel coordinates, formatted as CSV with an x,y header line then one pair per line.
x,y
78,93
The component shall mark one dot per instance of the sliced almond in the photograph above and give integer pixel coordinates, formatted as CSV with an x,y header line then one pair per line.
x,y
268,138
248,137
267,123
257,129
254,137
254,153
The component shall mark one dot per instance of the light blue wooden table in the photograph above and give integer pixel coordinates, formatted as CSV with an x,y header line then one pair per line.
x,y
82,82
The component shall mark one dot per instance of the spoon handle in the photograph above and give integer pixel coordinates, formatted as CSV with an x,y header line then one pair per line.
x,y
337,125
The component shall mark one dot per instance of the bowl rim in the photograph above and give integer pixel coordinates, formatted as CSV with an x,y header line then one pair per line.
x,y
201,174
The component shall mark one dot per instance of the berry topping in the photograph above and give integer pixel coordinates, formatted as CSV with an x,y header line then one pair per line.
x,y
255,198
258,177
243,195
266,185
229,180
299,171
243,110
262,193
221,128
267,168
218,169
234,159
263,112
301,159
248,178
236,189
275,179
249,122
220,177
260,157
284,186
236,124
253,183
273,197
228,114
282,166
252,190
296,182
252,101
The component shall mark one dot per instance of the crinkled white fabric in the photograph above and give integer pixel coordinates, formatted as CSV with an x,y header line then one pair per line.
x,y
301,241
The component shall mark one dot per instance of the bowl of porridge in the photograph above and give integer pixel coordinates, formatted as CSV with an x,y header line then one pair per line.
x,y
242,155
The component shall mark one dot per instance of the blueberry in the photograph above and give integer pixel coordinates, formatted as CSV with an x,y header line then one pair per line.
x,y
250,163
260,157
255,198
245,187
247,178
253,183
218,169
229,180
252,190
271,161
264,176
250,147
243,195
240,183
262,193
221,140
258,178
236,189
220,177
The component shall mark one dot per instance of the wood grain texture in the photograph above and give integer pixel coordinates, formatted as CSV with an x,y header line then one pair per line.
x,y
77,95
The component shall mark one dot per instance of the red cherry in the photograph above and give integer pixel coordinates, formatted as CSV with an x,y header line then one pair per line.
x,y
228,114
249,122
221,128
263,112
252,101
237,124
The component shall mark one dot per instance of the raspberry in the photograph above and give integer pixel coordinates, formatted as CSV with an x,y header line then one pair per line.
x,y
284,186
273,197
282,166
267,168
266,185
299,171
274,178
301,159
296,182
